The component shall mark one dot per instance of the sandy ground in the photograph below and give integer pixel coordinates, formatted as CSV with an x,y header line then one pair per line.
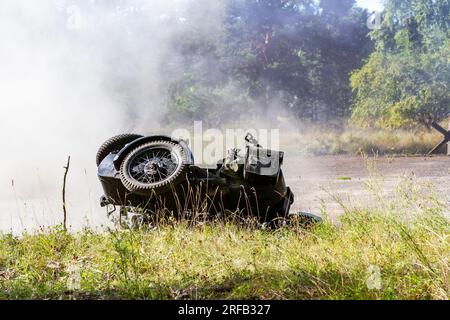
x,y
313,178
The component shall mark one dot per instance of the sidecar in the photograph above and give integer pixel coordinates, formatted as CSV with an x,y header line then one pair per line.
x,y
159,174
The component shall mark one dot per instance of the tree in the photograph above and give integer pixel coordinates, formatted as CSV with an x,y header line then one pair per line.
x,y
405,81
290,54
298,54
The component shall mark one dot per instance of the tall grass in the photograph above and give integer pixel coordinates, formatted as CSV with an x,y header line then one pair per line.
x,y
351,140
398,249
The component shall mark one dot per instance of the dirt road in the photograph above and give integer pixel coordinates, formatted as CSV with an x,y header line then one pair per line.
x,y
311,178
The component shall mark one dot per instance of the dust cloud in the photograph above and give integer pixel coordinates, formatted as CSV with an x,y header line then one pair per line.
x,y
72,74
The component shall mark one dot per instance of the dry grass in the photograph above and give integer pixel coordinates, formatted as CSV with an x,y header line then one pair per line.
x,y
326,141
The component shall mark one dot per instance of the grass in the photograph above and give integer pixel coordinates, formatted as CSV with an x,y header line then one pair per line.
x,y
398,249
351,140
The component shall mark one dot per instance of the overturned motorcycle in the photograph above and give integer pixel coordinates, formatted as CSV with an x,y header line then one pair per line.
x,y
157,174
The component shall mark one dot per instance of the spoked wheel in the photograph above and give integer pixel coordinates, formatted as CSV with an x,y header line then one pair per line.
x,y
153,167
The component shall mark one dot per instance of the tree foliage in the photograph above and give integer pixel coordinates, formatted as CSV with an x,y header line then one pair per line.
x,y
294,54
405,81
312,59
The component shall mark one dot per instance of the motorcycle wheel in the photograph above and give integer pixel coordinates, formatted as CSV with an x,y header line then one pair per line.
x,y
114,144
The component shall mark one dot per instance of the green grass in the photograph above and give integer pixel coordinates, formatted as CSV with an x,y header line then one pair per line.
x,y
406,239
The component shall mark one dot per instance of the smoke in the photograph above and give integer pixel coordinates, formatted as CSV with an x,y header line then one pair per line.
x,y
73,74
